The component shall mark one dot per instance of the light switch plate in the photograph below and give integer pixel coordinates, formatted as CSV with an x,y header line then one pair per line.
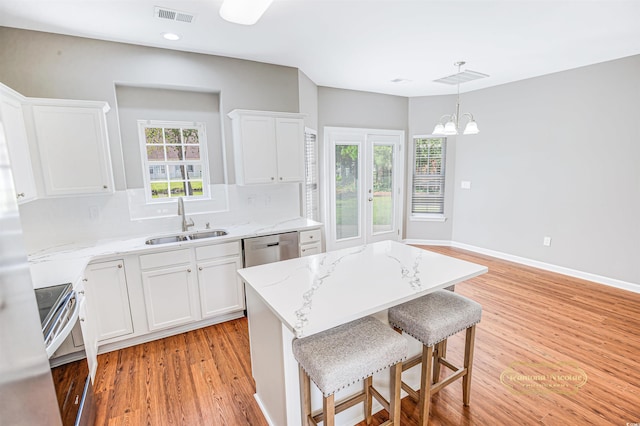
x,y
546,241
465,184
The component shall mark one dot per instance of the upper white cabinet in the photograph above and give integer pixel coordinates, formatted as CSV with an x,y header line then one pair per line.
x,y
269,146
13,123
73,145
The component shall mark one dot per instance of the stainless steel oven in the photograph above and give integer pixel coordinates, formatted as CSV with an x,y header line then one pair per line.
x,y
58,309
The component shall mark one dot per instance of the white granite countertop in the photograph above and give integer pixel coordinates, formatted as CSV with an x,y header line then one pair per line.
x,y
67,263
318,292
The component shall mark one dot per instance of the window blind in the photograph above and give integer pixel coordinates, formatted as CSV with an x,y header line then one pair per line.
x,y
428,176
311,196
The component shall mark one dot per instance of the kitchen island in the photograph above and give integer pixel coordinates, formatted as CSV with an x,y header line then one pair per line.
x,y
300,297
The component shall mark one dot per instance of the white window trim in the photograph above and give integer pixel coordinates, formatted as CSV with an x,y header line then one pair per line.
x,y
204,158
424,217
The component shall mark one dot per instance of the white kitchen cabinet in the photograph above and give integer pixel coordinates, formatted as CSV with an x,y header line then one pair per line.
x,y
269,146
169,286
310,242
106,289
89,335
221,289
73,146
13,123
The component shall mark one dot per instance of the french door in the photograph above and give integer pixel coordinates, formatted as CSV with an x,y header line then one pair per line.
x,y
365,170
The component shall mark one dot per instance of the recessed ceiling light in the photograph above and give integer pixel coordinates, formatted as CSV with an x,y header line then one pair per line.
x,y
171,36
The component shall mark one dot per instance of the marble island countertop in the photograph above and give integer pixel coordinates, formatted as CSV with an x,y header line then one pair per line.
x,y
66,263
315,293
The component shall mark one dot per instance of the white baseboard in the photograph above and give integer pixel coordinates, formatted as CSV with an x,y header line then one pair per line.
x,y
611,282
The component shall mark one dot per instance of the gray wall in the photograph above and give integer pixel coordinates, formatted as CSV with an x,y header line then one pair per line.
x,y
144,103
424,113
308,100
556,156
55,66
351,108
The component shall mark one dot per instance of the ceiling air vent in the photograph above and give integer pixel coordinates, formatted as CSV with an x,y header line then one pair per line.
x,y
173,15
461,77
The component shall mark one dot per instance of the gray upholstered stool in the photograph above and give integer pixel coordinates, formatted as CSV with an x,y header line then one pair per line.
x,y
341,356
431,319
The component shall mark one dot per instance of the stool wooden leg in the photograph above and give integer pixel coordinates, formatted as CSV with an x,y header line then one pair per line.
x,y
394,397
305,396
329,410
425,384
437,354
468,364
367,399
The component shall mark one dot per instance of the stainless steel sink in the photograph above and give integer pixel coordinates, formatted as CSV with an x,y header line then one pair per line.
x,y
208,234
166,240
179,238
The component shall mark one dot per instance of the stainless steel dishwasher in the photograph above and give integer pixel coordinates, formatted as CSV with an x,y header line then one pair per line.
x,y
270,248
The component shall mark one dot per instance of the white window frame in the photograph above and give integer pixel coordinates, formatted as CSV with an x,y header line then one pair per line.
x,y
428,217
203,161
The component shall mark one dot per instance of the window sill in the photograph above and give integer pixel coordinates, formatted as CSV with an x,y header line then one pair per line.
x,y
428,218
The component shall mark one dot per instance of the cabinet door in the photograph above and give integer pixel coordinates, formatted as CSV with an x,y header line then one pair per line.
x,y
257,136
170,297
290,149
221,289
106,287
12,120
310,249
74,151
88,334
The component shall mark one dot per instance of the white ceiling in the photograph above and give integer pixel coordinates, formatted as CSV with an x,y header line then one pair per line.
x,y
364,44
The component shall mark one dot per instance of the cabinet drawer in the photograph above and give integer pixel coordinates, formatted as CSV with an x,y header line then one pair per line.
x,y
307,237
218,250
157,260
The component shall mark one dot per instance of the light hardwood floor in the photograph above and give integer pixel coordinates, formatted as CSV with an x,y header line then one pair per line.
x,y
529,316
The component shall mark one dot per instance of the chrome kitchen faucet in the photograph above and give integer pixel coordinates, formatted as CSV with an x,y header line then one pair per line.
x,y
186,224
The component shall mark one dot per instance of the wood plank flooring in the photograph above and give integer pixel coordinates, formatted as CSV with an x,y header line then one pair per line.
x,y
529,316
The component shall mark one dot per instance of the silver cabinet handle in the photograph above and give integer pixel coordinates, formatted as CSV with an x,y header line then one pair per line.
x,y
200,268
188,269
119,265
105,186
370,199
20,195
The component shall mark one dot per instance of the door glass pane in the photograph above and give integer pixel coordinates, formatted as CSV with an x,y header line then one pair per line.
x,y
346,190
382,188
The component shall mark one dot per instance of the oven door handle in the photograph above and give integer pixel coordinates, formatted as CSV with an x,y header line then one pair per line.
x,y
65,331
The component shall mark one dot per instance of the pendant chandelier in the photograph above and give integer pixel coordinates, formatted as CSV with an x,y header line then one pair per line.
x,y
449,123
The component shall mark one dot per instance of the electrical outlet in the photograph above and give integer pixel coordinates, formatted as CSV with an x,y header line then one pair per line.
x,y
94,213
465,184
546,241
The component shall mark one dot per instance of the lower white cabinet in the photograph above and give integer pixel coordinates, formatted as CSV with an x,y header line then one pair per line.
x,y
221,289
175,294
169,288
310,242
107,292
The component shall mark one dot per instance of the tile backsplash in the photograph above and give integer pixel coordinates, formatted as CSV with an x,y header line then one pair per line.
x,y
77,220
